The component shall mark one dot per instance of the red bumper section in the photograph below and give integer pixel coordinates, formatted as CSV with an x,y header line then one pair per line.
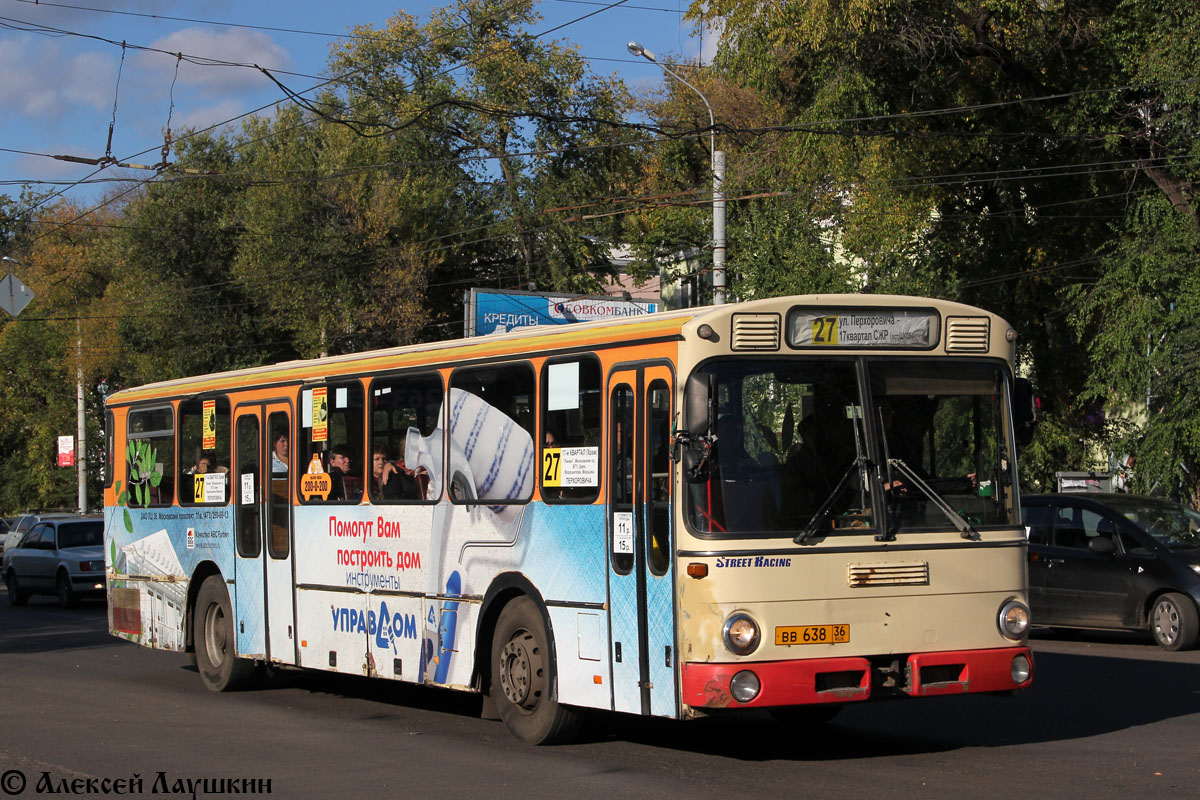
x,y
843,680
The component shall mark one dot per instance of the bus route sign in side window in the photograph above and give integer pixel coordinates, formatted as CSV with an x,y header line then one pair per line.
x,y
879,327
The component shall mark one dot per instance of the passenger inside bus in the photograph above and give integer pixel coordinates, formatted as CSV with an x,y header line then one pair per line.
x,y
346,486
279,451
390,480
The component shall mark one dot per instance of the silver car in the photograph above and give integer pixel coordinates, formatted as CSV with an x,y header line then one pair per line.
x,y
63,556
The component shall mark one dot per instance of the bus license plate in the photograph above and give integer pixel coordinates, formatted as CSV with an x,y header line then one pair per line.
x,y
812,634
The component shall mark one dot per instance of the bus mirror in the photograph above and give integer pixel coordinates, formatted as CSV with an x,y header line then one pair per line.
x,y
1024,411
695,465
697,401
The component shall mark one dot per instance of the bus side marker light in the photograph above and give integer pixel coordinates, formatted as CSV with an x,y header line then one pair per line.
x,y
696,570
598,680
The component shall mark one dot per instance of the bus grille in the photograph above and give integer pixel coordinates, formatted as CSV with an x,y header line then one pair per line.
x,y
967,334
911,573
756,331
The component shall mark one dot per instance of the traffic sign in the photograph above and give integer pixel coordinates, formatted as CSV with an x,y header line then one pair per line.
x,y
14,295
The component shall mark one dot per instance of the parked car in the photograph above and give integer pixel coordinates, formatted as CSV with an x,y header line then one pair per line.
x,y
22,524
1115,561
63,556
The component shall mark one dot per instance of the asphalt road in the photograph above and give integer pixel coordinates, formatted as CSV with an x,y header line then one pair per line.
x,y
1110,716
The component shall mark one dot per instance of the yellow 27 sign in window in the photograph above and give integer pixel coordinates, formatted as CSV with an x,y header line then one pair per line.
x,y
825,330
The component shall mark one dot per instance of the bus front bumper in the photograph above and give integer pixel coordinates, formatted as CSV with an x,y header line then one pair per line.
x,y
844,680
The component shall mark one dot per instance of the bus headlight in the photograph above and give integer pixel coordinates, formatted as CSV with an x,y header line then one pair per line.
x,y
741,634
745,686
1014,619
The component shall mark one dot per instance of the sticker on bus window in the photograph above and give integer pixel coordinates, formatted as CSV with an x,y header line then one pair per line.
x,y
320,414
210,487
564,387
571,467
248,489
209,424
623,532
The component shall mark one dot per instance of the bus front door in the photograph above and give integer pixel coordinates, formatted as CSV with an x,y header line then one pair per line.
x,y
641,564
263,570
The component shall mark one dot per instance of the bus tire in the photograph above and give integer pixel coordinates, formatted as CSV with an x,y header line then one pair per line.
x,y
1174,622
216,659
524,685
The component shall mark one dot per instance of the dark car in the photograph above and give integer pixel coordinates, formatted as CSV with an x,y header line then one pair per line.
x,y
1115,561
63,556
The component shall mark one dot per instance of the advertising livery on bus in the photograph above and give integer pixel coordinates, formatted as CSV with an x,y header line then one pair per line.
x,y
789,504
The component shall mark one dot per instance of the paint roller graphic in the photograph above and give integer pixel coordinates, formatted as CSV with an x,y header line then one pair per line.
x,y
491,456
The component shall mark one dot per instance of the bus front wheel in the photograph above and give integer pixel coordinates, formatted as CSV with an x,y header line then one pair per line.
x,y
523,683
216,659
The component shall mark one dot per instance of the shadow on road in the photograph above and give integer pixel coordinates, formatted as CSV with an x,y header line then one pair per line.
x,y
1074,696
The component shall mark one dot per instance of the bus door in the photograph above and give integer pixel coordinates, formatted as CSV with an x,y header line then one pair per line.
x,y
641,565
263,569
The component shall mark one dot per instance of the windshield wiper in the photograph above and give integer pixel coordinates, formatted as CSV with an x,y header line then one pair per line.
x,y
965,528
815,521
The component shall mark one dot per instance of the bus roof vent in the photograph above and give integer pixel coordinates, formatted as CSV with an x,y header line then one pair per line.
x,y
901,573
756,331
967,334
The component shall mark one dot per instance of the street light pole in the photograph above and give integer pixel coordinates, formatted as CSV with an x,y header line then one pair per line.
x,y
718,173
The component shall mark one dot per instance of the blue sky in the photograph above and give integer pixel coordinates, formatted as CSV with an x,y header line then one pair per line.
x,y
58,79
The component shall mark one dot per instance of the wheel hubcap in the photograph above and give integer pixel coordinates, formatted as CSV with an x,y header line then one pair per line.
x,y
520,666
1166,622
215,635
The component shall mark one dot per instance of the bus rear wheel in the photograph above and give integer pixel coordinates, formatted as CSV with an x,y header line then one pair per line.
x,y
216,659
523,684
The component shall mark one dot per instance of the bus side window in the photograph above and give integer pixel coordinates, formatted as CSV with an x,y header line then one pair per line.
x,y
150,457
570,413
332,431
204,428
406,423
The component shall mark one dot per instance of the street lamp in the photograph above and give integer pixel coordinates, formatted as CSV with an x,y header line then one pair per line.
x,y
718,171
80,414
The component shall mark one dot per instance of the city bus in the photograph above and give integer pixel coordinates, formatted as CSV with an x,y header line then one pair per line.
x,y
788,504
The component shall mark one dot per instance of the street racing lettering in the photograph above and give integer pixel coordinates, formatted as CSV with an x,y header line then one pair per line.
x,y
384,626
754,561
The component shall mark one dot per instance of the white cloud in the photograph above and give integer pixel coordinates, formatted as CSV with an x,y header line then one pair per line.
x,y
237,46
45,81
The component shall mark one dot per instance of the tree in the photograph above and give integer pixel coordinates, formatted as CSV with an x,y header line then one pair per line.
x,y
539,134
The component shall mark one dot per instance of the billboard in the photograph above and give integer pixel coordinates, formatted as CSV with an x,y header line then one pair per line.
x,y
493,311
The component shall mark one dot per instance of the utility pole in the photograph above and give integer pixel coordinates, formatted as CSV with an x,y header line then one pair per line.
x,y
718,173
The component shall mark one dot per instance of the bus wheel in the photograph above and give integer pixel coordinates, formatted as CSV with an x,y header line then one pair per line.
x,y
220,669
817,714
523,678
1174,622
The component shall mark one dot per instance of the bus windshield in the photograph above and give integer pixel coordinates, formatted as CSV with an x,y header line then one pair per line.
x,y
795,452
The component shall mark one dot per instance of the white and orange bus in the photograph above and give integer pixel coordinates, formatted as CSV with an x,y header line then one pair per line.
x,y
788,504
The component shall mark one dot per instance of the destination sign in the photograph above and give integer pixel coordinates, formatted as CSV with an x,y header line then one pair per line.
x,y
864,328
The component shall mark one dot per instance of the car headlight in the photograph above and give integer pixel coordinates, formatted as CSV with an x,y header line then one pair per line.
x,y
1014,619
741,634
